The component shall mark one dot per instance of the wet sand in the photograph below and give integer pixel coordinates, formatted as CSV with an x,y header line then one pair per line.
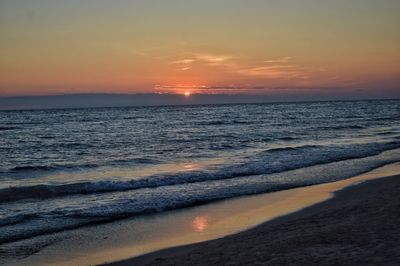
x,y
359,226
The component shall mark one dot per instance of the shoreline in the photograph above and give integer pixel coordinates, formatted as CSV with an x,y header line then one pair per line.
x,y
138,236
312,226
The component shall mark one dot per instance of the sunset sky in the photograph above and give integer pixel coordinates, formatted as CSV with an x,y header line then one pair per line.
x,y
199,46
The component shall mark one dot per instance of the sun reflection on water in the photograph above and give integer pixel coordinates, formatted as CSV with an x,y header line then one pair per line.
x,y
190,167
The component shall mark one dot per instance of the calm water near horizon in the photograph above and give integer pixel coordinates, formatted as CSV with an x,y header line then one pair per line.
x,y
64,169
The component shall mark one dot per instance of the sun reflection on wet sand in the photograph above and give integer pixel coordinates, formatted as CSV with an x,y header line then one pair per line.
x,y
200,223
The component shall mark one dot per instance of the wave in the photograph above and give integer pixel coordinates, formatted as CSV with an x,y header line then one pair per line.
x,y
132,117
270,161
224,122
47,137
389,118
52,218
304,147
59,167
14,232
287,138
74,145
341,127
29,168
16,219
25,123
8,128
386,133
135,161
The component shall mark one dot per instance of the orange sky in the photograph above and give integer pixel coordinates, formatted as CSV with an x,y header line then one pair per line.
x,y
120,46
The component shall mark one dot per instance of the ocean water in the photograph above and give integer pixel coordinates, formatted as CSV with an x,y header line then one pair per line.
x,y
64,169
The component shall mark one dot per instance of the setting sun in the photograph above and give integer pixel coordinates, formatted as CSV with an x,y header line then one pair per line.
x,y
187,93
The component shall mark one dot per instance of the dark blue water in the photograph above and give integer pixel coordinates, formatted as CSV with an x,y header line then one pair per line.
x,y
62,169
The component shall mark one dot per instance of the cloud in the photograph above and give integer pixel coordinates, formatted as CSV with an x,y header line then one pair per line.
x,y
207,59
277,68
184,68
202,88
213,58
158,87
182,61
280,60
281,68
274,71
216,89
184,64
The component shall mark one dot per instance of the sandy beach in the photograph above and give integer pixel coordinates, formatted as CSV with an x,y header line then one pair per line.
x,y
359,226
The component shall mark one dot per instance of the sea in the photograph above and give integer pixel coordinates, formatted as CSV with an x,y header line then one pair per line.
x,y
69,168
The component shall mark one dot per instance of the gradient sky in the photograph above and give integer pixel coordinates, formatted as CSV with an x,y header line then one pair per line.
x,y
204,46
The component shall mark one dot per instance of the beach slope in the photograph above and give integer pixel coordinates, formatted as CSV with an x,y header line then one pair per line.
x,y
359,226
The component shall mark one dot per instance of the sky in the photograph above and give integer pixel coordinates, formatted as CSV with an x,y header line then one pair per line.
x,y
288,47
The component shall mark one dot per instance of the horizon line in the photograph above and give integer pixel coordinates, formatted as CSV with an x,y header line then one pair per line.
x,y
174,94
272,101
